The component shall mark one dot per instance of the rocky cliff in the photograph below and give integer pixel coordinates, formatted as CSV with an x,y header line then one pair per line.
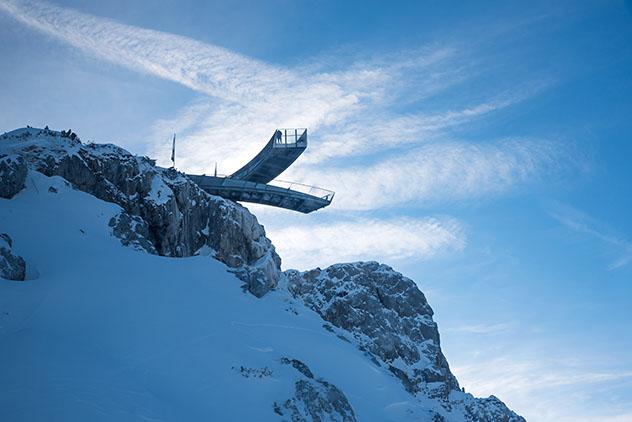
x,y
12,266
377,310
387,317
163,211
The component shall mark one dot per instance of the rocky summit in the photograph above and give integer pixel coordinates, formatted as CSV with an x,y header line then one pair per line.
x,y
386,315
163,211
354,341
388,318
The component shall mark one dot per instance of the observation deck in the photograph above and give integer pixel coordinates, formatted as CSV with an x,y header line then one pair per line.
x,y
278,154
255,183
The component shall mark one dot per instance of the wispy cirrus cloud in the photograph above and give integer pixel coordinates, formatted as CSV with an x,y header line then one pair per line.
x,y
353,111
484,329
525,376
580,222
307,246
535,386
202,67
442,171
349,111
378,129
254,97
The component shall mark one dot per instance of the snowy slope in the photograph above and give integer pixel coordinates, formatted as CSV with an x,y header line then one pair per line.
x,y
109,333
101,331
163,211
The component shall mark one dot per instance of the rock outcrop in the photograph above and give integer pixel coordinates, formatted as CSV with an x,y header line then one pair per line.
x,y
12,266
388,318
164,211
12,174
386,314
314,398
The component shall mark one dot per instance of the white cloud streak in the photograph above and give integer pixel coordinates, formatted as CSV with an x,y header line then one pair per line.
x,y
442,171
582,223
203,67
348,110
376,130
480,328
353,112
542,388
254,97
308,246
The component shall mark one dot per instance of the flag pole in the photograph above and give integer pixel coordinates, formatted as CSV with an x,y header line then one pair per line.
x,y
173,152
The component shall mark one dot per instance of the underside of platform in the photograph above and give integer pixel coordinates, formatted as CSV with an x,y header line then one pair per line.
x,y
261,193
251,183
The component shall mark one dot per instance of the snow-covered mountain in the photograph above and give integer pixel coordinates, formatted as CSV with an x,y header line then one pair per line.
x,y
137,296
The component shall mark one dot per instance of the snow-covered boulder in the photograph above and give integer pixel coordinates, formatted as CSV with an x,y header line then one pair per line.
x,y
133,231
165,212
12,266
314,398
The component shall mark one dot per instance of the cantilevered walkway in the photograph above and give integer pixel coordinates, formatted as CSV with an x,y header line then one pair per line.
x,y
254,182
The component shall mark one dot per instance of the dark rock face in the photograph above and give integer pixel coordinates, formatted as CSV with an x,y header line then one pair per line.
x,y
389,319
133,231
12,266
490,409
12,174
164,211
314,399
386,314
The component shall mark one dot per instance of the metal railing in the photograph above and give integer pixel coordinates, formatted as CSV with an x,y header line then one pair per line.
x,y
321,193
293,136
231,183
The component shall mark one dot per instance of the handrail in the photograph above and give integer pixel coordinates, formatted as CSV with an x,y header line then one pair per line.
x,y
255,181
303,188
321,193
290,136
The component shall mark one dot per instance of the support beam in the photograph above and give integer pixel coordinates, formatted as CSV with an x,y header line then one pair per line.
x,y
262,193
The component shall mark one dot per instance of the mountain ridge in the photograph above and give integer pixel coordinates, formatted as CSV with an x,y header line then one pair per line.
x,y
365,306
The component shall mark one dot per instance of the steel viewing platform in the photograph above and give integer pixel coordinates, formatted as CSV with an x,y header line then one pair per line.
x,y
254,182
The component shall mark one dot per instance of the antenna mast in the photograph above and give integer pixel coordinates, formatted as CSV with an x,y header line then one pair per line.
x,y
173,152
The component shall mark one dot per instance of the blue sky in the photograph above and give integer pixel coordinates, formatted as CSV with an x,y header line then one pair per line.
x,y
481,148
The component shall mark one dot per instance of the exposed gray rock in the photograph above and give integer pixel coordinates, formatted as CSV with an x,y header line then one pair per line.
x,y
389,319
179,218
247,372
490,409
133,231
314,399
12,266
299,366
386,314
12,175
